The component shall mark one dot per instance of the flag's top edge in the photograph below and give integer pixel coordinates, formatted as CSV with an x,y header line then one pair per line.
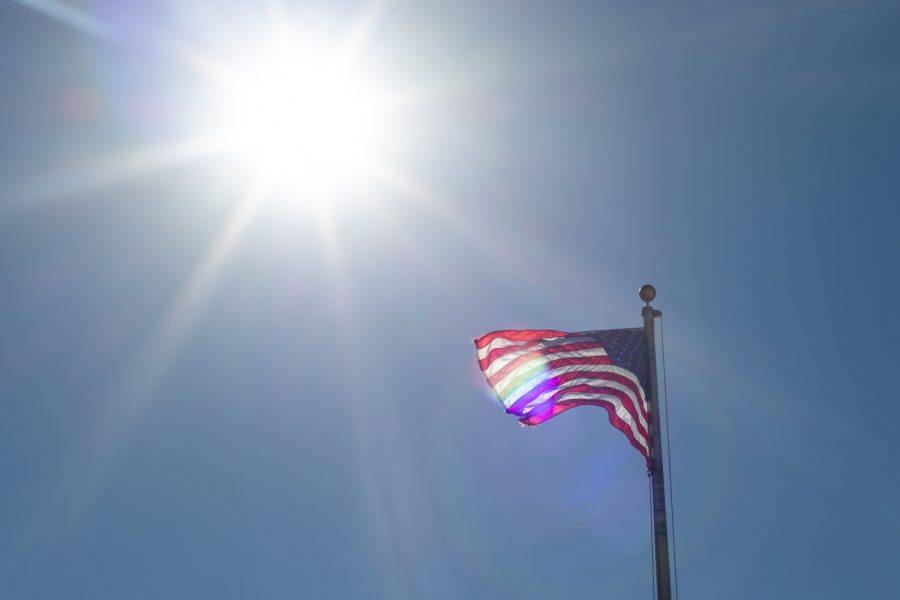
x,y
535,334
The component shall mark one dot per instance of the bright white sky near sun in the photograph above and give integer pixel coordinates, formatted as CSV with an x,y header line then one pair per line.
x,y
245,247
304,112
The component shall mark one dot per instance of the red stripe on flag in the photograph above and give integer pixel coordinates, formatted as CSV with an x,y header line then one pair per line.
x,y
517,335
634,387
586,360
603,375
614,419
594,389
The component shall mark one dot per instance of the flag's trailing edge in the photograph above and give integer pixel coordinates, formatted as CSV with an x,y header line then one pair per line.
x,y
538,374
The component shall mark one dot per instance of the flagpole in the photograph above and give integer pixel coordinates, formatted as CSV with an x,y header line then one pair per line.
x,y
657,484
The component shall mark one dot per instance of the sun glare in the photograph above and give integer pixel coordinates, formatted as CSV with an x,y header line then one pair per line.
x,y
302,118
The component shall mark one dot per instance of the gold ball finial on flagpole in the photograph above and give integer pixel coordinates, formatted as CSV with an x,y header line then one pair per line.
x,y
648,293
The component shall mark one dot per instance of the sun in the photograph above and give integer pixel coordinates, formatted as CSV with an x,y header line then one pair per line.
x,y
302,116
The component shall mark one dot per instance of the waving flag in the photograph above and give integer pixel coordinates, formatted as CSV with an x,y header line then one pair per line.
x,y
538,374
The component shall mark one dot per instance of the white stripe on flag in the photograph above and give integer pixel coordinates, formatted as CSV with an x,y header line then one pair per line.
x,y
539,361
501,361
501,342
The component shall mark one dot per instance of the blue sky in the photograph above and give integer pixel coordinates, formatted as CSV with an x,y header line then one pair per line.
x,y
201,399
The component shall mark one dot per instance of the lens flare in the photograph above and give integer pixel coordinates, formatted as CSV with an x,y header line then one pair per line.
x,y
302,116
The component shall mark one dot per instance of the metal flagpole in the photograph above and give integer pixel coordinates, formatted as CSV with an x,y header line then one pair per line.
x,y
657,484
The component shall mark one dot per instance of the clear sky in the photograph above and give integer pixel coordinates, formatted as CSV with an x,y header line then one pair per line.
x,y
211,388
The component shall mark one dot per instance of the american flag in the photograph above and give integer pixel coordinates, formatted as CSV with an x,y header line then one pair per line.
x,y
538,374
